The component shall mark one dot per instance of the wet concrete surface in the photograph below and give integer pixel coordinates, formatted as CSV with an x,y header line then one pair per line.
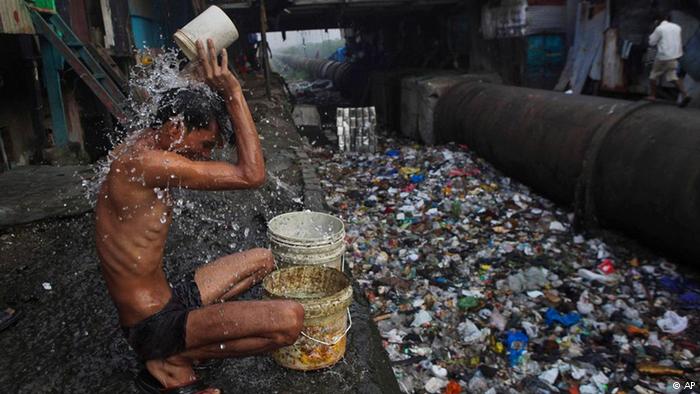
x,y
68,338
32,193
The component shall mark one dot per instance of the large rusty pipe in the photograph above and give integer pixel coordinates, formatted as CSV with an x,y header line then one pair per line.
x,y
346,77
630,166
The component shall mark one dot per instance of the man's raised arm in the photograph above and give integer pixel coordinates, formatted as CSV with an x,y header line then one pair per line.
x,y
168,169
220,78
162,168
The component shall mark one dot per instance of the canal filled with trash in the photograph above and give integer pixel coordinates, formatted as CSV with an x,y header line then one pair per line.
x,y
479,285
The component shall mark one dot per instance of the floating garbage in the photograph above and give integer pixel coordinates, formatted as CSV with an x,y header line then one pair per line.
x,y
672,323
517,345
479,285
567,320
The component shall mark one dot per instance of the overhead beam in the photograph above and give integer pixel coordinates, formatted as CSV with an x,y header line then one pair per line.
x,y
326,14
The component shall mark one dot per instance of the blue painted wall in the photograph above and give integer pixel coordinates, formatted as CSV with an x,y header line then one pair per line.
x,y
546,57
147,33
153,22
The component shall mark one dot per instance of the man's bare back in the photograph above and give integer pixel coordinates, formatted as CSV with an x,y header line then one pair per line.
x,y
172,327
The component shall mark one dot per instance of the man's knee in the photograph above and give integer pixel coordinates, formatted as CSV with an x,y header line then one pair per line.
x,y
264,256
290,315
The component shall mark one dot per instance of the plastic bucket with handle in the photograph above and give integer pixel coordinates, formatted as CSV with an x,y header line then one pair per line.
x,y
212,23
326,294
307,238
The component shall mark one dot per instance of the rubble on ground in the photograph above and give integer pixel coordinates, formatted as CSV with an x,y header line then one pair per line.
x,y
479,285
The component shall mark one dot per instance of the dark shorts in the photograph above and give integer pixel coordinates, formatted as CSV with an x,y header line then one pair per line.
x,y
163,334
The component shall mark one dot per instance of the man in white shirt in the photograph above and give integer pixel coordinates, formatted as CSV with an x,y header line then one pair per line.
x,y
669,48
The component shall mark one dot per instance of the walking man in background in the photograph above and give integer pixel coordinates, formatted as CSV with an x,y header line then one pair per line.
x,y
669,48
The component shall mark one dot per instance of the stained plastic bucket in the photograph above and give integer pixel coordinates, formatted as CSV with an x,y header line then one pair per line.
x,y
307,238
212,23
326,294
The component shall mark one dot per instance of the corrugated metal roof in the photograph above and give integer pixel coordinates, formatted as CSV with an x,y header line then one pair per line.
x,y
14,17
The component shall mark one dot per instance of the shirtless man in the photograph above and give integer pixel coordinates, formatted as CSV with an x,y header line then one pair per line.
x,y
172,329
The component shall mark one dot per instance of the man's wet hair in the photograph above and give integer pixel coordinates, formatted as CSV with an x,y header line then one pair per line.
x,y
197,105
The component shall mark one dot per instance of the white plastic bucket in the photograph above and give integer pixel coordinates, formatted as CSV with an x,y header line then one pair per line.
x,y
212,23
307,238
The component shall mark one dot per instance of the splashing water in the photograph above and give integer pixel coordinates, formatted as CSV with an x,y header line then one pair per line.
x,y
200,218
147,87
177,209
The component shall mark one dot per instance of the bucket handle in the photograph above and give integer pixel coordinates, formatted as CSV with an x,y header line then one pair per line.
x,y
336,339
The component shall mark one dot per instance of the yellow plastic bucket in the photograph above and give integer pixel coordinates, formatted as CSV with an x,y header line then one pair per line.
x,y
326,294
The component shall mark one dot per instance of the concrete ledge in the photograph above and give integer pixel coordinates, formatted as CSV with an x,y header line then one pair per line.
x,y
33,193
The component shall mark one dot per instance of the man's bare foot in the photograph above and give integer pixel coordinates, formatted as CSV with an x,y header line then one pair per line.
x,y
175,372
172,372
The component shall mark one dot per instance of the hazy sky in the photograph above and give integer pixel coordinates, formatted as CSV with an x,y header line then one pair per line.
x,y
295,38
